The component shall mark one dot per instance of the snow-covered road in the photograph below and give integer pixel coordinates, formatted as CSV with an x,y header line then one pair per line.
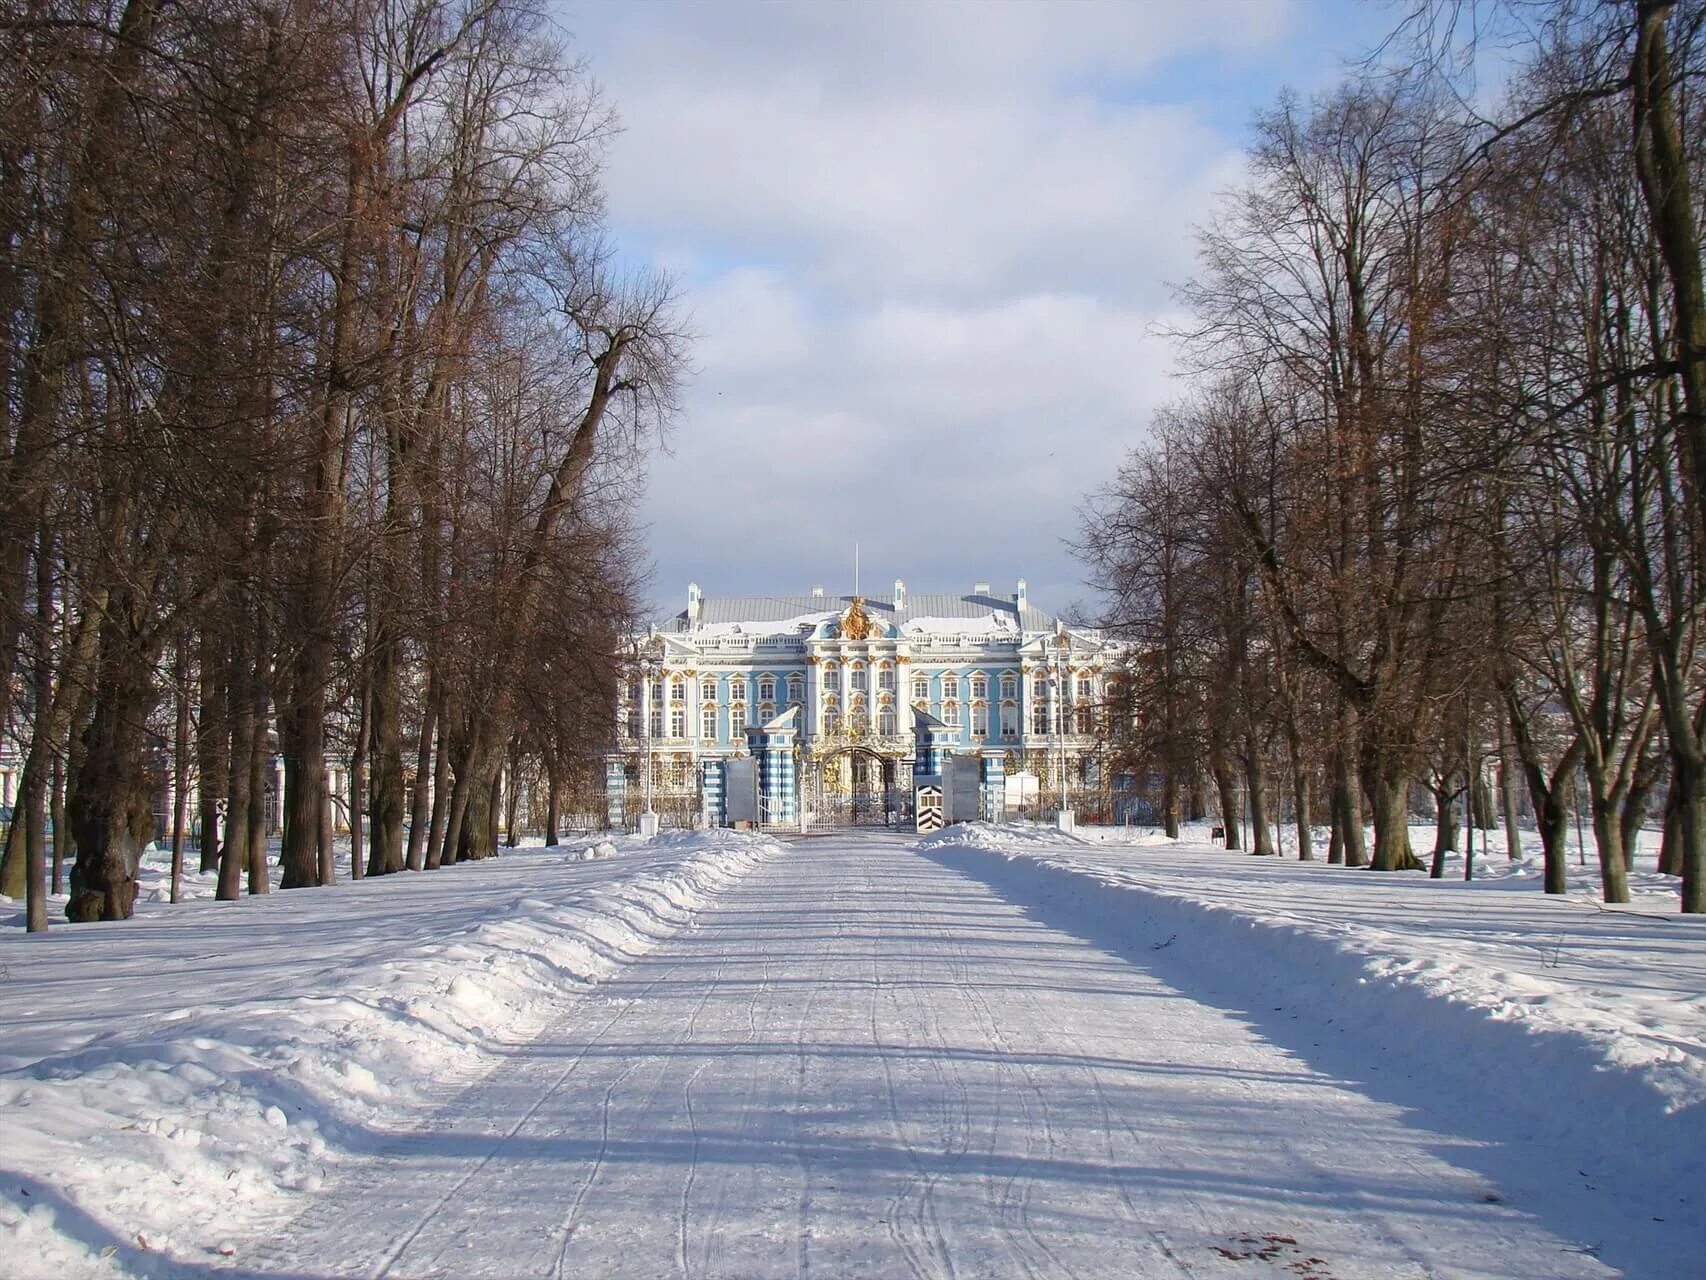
x,y
862,1061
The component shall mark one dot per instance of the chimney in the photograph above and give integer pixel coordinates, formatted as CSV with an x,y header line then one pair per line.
x,y
695,602
980,588
817,593
899,596
1019,595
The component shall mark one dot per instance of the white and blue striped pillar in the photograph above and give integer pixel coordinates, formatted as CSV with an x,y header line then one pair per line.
x,y
615,792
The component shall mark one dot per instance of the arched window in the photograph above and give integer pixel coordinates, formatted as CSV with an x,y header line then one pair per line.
x,y
885,676
886,720
737,722
856,676
950,687
951,714
1039,718
980,719
1083,689
832,714
1009,720
979,686
767,688
677,689
708,721
656,728
1009,685
678,722
831,676
1081,719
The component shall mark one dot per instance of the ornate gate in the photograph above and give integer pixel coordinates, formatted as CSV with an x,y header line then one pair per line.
x,y
855,787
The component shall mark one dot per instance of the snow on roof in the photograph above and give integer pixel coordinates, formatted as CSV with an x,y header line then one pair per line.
x,y
931,611
800,624
988,625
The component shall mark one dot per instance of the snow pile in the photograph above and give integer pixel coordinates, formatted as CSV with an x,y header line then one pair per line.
x,y
989,624
1553,1016
182,1078
801,624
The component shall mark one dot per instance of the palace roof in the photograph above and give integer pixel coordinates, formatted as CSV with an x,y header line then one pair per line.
x,y
918,612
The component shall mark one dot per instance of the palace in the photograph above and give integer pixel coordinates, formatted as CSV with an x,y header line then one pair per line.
x,y
841,700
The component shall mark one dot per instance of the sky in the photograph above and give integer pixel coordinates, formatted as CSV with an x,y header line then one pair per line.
x,y
926,250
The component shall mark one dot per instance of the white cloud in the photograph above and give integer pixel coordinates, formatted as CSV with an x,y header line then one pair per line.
x,y
925,247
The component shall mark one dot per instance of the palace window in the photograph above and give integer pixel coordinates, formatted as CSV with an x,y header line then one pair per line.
x,y
678,773
1083,689
737,722
766,712
634,722
796,689
885,676
1039,718
979,687
886,720
677,689
678,722
657,722
1009,686
1009,720
979,719
831,714
950,687
857,675
831,676
767,689
633,691
737,688
951,714
708,722
1081,720
920,689
856,717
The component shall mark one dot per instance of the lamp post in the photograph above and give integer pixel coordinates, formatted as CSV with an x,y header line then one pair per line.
x,y
1057,678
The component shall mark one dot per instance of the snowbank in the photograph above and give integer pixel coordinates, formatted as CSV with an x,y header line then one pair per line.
x,y
1527,1015
176,1081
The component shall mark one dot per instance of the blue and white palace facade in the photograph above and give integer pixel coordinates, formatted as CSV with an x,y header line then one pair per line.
x,y
830,694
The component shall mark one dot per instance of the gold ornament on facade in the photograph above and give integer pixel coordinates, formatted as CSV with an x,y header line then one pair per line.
x,y
856,624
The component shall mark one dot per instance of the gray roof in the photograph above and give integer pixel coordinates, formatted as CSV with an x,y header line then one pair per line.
x,y
919,604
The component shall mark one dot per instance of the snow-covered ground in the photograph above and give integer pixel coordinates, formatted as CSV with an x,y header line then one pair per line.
x,y
1549,1025
1001,1052
174,1082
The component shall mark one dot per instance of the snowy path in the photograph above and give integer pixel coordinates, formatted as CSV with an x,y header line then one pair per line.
x,y
863,1062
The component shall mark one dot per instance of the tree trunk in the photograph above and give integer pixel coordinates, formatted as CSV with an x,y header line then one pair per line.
x,y
56,809
234,855
386,799
180,771
512,800
358,782
328,869
1261,831
1689,779
110,812
1390,793
260,877
550,800
420,800
1608,836
1347,812
1228,794
1507,795
1670,843
1170,802
443,793
212,742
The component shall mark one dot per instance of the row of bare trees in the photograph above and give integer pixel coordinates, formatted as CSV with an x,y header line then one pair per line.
x,y
324,409
1436,490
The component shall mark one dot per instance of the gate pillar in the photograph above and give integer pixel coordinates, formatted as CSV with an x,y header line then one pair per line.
x,y
772,746
615,791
